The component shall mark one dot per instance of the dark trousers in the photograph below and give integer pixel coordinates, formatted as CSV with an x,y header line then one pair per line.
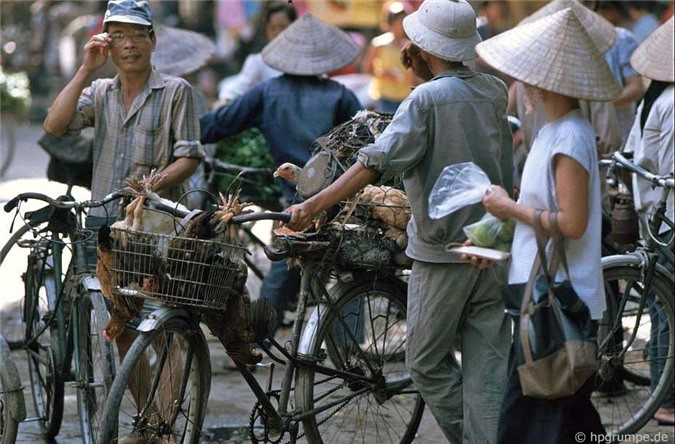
x,y
527,420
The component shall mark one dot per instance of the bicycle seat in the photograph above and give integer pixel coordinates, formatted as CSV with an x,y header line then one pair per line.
x,y
60,220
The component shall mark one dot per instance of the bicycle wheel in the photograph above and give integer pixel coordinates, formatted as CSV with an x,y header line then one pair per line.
x,y
161,389
12,265
9,425
43,323
365,337
18,234
633,357
94,363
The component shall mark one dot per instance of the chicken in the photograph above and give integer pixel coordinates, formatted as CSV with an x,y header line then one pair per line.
x,y
288,171
125,308
104,262
122,313
143,259
397,235
231,326
143,189
388,205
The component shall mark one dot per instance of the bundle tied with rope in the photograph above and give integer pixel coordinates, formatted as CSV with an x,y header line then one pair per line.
x,y
367,231
334,152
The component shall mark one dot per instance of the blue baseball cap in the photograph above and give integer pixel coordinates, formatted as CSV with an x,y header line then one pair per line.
x,y
128,11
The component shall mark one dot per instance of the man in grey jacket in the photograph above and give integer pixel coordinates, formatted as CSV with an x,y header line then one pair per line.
x,y
456,116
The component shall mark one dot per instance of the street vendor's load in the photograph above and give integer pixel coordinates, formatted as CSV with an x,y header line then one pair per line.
x,y
337,150
195,262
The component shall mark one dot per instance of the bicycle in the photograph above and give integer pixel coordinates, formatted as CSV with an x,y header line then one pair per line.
x,y
257,186
63,313
345,378
637,288
12,404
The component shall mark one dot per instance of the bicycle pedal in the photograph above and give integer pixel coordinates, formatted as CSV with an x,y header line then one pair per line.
x,y
263,318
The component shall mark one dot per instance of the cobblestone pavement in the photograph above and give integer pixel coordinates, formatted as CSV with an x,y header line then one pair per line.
x,y
231,401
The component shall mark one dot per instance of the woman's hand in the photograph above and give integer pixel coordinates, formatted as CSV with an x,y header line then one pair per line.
x,y
476,261
498,203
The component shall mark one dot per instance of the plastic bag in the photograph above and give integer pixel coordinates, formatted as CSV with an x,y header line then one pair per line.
x,y
457,186
491,232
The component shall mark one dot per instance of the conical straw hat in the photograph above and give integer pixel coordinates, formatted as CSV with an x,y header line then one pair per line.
x,y
601,30
180,51
310,46
654,57
554,53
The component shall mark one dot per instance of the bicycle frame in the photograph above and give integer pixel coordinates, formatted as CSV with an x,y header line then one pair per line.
x,y
280,417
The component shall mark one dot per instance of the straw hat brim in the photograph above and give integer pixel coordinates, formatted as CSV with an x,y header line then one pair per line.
x,y
555,54
654,57
600,29
310,46
456,49
180,52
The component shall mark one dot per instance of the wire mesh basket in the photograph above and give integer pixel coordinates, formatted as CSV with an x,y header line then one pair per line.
x,y
366,249
347,247
176,270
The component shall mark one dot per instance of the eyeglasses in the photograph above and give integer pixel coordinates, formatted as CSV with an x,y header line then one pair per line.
x,y
119,38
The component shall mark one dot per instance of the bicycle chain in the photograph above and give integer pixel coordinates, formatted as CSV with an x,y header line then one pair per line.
x,y
257,409
259,412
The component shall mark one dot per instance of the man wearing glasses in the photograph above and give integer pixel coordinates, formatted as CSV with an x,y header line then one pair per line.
x,y
143,119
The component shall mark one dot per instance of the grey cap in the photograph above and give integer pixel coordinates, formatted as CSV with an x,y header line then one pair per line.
x,y
128,11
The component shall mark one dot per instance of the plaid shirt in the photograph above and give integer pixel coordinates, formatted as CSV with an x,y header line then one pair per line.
x,y
161,125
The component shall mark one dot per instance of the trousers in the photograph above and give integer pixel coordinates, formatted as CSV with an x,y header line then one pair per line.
x,y
449,303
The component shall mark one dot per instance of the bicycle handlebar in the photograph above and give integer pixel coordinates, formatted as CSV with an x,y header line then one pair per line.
x,y
243,218
661,181
67,205
284,217
171,209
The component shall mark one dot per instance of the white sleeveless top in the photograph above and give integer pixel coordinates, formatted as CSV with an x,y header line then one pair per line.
x,y
573,136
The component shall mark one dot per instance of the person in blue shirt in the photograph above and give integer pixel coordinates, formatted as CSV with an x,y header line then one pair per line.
x,y
644,21
291,111
618,59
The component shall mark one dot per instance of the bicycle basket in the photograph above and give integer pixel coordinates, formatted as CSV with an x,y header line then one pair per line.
x,y
176,270
347,248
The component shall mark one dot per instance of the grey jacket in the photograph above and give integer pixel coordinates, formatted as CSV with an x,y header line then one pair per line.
x,y
458,116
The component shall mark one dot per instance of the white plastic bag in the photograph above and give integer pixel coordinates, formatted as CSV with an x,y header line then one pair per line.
x,y
457,186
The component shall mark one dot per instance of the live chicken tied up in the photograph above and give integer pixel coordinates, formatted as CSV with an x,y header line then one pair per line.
x,y
343,142
387,204
288,171
160,269
124,307
232,326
